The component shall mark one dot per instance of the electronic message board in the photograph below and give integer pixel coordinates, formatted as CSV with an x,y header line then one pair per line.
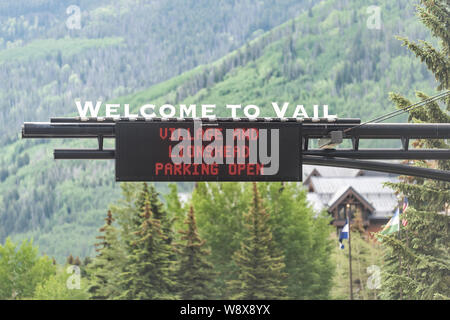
x,y
208,151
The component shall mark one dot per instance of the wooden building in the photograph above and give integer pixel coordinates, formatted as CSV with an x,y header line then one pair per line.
x,y
340,190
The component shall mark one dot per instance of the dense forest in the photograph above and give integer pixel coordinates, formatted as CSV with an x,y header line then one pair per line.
x,y
326,55
230,240
204,249
121,47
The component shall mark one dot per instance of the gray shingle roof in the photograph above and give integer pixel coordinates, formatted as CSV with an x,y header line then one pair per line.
x,y
328,189
330,171
338,194
361,184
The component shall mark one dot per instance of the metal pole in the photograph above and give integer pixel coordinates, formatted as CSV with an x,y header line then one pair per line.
x,y
311,130
349,251
400,263
378,166
382,154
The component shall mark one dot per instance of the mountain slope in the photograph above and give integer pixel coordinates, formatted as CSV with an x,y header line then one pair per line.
x,y
324,56
121,47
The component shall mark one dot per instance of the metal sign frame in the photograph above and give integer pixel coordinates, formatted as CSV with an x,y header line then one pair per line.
x,y
312,128
143,151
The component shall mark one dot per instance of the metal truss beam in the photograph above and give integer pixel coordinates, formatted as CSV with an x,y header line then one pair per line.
x,y
310,130
382,154
400,169
84,154
101,128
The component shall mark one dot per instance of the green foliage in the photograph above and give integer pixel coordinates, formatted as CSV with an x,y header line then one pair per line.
x,y
303,238
194,273
104,270
135,260
423,251
298,234
418,265
55,288
261,266
160,213
40,54
39,49
327,51
21,269
367,264
220,208
435,16
175,208
148,266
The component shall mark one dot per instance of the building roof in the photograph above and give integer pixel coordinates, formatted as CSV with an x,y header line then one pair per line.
x,y
329,172
325,191
315,201
360,184
344,192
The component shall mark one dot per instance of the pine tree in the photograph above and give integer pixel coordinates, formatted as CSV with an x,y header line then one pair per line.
x,y
304,239
77,261
87,260
366,265
22,269
70,260
141,198
128,211
145,193
175,207
131,214
105,268
260,266
417,262
195,273
220,209
159,213
148,267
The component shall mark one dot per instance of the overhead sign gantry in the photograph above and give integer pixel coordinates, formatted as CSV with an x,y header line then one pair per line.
x,y
240,149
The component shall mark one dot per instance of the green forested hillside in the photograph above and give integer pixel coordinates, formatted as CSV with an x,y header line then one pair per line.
x,y
326,55
121,47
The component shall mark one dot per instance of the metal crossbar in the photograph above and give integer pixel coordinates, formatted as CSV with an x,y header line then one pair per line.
x,y
312,128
